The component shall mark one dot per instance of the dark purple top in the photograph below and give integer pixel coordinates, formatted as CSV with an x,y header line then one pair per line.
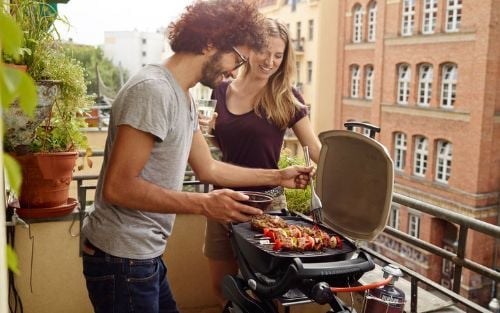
x,y
249,140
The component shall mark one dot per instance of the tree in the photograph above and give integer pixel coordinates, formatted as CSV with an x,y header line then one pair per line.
x,y
89,56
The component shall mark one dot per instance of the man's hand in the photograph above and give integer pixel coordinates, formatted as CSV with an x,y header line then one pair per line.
x,y
296,177
223,205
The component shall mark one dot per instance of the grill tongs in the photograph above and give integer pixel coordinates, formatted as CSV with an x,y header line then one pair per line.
x,y
316,205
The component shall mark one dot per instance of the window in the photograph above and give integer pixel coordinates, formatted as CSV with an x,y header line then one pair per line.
x,y
430,16
143,41
369,82
355,80
425,85
408,20
420,160
448,86
372,21
309,71
443,161
357,27
298,32
404,78
413,225
144,53
399,150
297,64
453,15
394,217
311,29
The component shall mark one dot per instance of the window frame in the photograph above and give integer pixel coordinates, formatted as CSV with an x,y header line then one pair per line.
x,y
408,17
404,84
414,225
429,16
372,21
453,11
355,81
394,217
449,78
420,156
425,78
298,65
311,30
369,78
400,150
443,161
357,24
309,71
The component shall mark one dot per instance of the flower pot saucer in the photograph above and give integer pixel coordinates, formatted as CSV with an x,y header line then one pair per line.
x,y
57,211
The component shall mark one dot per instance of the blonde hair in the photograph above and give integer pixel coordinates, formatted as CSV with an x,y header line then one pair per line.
x,y
278,103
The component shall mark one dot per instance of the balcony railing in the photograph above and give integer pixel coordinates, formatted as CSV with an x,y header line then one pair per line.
x,y
459,259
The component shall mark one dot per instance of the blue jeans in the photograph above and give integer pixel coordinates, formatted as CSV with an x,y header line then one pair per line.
x,y
121,285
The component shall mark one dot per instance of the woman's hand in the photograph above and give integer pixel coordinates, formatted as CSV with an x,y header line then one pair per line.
x,y
207,123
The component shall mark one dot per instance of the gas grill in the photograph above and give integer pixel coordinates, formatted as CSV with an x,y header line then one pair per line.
x,y
354,182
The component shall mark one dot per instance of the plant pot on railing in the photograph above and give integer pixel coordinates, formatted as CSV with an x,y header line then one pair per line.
x,y
45,187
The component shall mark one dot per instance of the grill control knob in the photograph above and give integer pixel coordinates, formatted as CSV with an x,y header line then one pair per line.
x,y
321,293
252,284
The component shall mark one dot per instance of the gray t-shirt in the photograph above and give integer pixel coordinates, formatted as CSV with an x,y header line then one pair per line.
x,y
153,102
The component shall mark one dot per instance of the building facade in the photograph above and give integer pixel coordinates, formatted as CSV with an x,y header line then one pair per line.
x,y
134,49
428,73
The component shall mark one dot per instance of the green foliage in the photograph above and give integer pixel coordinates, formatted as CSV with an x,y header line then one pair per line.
x,y
46,60
298,200
13,84
62,132
90,57
35,18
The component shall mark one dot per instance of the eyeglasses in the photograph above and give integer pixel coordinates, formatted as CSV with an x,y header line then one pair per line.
x,y
242,61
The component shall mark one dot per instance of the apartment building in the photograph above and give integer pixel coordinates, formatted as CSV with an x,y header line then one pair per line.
x,y
428,73
134,49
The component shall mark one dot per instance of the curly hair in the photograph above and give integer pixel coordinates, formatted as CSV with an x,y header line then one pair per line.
x,y
221,23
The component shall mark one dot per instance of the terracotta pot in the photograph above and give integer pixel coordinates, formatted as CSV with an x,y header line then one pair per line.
x,y
46,178
19,67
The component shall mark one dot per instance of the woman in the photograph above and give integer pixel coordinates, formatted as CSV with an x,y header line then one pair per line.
x,y
253,112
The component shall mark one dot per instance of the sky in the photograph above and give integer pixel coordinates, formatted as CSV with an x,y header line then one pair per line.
x,y
89,19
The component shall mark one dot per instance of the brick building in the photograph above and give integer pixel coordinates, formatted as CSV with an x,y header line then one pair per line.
x,y
428,73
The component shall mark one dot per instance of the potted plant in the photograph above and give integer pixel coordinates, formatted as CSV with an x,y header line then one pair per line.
x,y
51,140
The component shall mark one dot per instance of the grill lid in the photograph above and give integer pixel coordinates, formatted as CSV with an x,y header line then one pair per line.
x,y
355,177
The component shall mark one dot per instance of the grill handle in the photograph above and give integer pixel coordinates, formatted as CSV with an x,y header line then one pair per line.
x,y
363,263
297,271
280,287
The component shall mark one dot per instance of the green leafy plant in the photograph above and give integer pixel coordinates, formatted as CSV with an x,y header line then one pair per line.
x,y
35,18
61,132
14,84
46,59
298,200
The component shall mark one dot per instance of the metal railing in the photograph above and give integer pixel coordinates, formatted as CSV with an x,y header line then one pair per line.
x,y
458,259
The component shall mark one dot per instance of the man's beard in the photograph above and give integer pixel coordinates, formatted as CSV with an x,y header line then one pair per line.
x,y
211,71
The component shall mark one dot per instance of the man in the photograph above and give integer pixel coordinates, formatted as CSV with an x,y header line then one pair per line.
x,y
153,133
